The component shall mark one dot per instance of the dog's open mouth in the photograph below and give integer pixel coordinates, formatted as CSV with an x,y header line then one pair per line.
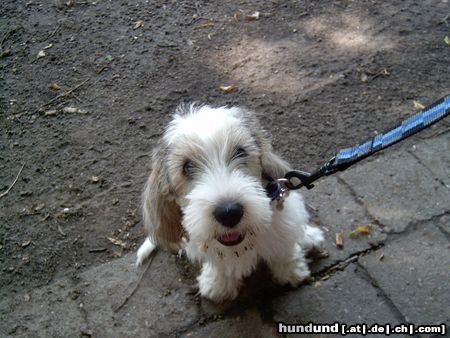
x,y
231,238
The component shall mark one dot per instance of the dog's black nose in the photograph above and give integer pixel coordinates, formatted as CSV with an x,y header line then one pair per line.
x,y
229,213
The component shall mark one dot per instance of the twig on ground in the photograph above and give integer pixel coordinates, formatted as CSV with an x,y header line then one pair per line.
x,y
97,250
150,260
40,221
206,25
197,8
53,33
444,20
12,185
77,98
7,34
68,92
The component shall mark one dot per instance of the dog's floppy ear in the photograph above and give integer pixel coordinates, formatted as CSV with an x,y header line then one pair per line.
x,y
161,213
272,164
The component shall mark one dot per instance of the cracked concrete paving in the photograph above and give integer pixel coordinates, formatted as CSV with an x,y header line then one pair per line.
x,y
400,272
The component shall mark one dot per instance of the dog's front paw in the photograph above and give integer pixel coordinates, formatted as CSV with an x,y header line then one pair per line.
x,y
215,286
293,270
313,239
292,273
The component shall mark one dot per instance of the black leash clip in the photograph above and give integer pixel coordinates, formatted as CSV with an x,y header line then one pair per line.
x,y
306,178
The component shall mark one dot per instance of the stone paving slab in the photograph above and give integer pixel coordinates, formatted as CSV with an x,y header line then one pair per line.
x,y
338,211
415,274
433,153
397,189
347,297
86,306
247,325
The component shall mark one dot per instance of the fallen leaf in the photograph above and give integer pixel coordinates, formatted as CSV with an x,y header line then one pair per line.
x,y
25,244
117,254
325,277
60,230
381,256
117,242
206,25
447,40
228,89
418,106
70,3
70,110
51,113
138,24
363,229
252,17
5,53
54,86
339,240
41,54
39,207
237,16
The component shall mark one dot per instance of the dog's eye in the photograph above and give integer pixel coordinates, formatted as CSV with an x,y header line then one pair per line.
x,y
188,168
240,153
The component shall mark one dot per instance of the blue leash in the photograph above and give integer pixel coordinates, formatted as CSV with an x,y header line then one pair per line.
x,y
349,156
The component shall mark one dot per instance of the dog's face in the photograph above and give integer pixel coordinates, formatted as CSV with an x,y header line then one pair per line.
x,y
207,180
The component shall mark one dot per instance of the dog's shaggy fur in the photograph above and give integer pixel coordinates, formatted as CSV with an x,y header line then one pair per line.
x,y
206,196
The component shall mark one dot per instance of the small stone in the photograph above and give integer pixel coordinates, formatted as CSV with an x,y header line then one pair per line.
x,y
51,113
41,54
95,179
39,207
26,193
26,243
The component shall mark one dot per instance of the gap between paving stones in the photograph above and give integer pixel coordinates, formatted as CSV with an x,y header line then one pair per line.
x,y
341,265
360,202
436,177
367,276
412,226
445,233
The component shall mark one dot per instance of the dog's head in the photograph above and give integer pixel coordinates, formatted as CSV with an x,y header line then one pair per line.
x,y
207,181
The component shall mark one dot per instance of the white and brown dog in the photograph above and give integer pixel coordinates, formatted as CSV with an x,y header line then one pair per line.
x,y
206,196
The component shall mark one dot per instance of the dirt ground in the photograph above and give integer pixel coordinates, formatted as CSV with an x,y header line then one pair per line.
x,y
86,88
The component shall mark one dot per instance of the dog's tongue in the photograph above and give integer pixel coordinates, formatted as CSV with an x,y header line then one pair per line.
x,y
230,236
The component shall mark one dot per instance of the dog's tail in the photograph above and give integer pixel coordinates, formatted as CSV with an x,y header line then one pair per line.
x,y
144,251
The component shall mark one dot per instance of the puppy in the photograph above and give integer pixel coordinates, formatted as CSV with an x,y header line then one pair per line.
x,y
206,196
